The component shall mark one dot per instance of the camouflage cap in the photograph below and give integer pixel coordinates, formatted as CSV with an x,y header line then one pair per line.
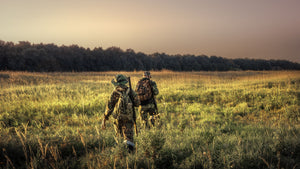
x,y
147,74
119,80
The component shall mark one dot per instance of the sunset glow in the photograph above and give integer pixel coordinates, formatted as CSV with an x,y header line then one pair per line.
x,y
267,29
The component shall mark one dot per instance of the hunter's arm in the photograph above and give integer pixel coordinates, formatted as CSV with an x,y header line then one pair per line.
x,y
111,104
154,88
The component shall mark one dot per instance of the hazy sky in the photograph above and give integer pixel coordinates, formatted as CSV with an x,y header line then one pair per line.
x,y
267,29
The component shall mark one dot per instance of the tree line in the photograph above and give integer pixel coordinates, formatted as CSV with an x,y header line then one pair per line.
x,y
25,56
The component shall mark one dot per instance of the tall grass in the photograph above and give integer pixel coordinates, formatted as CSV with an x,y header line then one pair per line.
x,y
208,120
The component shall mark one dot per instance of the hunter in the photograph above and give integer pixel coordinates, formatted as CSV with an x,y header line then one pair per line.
x,y
147,90
121,106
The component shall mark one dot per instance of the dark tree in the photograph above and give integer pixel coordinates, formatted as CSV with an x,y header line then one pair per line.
x,y
25,56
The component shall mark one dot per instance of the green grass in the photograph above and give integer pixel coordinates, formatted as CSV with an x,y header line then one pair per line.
x,y
208,120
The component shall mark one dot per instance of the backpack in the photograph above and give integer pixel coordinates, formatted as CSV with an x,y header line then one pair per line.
x,y
143,90
123,108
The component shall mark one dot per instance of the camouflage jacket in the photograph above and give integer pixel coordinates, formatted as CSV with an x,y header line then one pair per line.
x,y
154,88
114,99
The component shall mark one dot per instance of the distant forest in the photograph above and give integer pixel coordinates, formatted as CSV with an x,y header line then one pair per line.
x,y
26,56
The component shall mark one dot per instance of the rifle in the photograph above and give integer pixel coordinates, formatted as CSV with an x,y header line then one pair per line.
x,y
132,100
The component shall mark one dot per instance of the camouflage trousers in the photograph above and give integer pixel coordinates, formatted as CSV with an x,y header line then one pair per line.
x,y
148,115
124,128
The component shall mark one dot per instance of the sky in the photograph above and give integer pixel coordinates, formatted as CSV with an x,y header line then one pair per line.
x,y
256,29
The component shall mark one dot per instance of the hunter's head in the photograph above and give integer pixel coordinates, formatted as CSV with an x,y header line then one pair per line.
x,y
119,80
147,74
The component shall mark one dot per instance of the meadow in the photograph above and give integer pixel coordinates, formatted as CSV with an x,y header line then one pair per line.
x,y
238,119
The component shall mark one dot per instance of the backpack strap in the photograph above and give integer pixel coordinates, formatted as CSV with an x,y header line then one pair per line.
x,y
119,92
127,91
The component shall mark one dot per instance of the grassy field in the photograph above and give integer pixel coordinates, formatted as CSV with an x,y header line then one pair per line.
x,y
208,120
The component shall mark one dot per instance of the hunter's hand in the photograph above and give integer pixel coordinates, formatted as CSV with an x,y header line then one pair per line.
x,y
103,124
